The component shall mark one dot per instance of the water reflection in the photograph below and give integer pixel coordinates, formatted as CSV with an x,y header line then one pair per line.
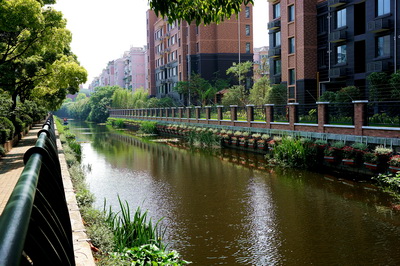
x,y
229,207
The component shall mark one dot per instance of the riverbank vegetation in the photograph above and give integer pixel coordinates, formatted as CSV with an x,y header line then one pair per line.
x,y
117,237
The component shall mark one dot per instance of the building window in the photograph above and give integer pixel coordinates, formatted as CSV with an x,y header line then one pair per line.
x,y
383,46
277,67
322,24
383,7
247,30
341,57
291,45
247,11
321,58
292,76
277,10
341,18
277,38
290,13
247,47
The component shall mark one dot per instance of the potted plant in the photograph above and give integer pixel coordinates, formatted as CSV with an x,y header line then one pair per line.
x,y
394,163
349,155
359,149
334,153
329,155
371,160
243,139
261,142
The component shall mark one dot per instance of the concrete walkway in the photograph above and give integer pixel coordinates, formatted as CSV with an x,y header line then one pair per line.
x,y
11,167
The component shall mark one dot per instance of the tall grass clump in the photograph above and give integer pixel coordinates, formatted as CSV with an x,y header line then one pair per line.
x,y
203,139
133,231
148,127
291,152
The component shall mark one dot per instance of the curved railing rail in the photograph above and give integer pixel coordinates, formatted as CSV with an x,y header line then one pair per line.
x,y
35,227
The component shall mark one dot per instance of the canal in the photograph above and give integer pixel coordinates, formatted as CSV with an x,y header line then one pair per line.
x,y
229,207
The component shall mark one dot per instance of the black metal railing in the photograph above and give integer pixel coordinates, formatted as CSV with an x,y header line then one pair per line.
x,y
307,113
35,226
281,113
341,114
383,114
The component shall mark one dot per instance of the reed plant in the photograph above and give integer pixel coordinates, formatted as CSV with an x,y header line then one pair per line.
x,y
133,230
148,127
290,152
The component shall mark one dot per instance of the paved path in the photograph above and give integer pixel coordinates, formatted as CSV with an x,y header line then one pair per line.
x,y
12,164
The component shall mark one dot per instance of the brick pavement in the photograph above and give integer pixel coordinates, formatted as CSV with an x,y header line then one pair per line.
x,y
12,164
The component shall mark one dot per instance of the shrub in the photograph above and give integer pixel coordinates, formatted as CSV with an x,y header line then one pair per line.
x,y
26,119
394,161
19,125
6,124
290,152
389,181
360,146
148,127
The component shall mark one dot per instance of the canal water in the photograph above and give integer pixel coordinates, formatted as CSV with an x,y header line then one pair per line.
x,y
229,207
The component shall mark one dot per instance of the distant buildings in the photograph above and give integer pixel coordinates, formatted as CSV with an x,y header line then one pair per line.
x,y
321,45
174,51
127,72
261,62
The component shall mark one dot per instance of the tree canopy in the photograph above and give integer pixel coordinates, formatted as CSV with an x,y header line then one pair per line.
x,y
199,11
36,60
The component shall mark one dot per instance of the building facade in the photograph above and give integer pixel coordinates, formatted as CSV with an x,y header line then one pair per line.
x,y
261,62
321,45
175,50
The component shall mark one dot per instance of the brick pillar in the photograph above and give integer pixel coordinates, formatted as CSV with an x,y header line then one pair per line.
x,y
359,116
250,112
188,112
197,112
292,114
219,110
173,111
322,115
233,112
208,112
180,112
269,114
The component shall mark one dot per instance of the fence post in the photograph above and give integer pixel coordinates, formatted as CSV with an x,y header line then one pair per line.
x,y
250,113
233,112
269,114
197,112
208,112
323,115
173,111
220,114
359,116
180,112
292,114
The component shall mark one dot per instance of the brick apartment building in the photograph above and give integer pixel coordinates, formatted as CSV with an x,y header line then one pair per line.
x,y
319,45
175,50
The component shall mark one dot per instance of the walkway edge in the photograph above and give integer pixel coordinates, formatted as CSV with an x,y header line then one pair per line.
x,y
83,253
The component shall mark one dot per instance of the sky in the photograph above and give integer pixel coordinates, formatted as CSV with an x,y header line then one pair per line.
x,y
102,30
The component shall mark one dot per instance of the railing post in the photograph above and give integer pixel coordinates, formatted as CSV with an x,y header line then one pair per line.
x,y
359,116
180,112
233,112
197,112
219,111
208,112
173,111
269,114
188,112
292,114
250,112
323,115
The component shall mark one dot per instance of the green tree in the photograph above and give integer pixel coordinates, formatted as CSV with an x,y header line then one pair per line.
x,y
259,93
348,94
236,95
99,102
395,86
200,11
196,89
36,61
80,96
240,70
277,94
379,86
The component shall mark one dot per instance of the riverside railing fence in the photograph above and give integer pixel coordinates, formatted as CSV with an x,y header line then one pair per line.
x,y
358,118
35,226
